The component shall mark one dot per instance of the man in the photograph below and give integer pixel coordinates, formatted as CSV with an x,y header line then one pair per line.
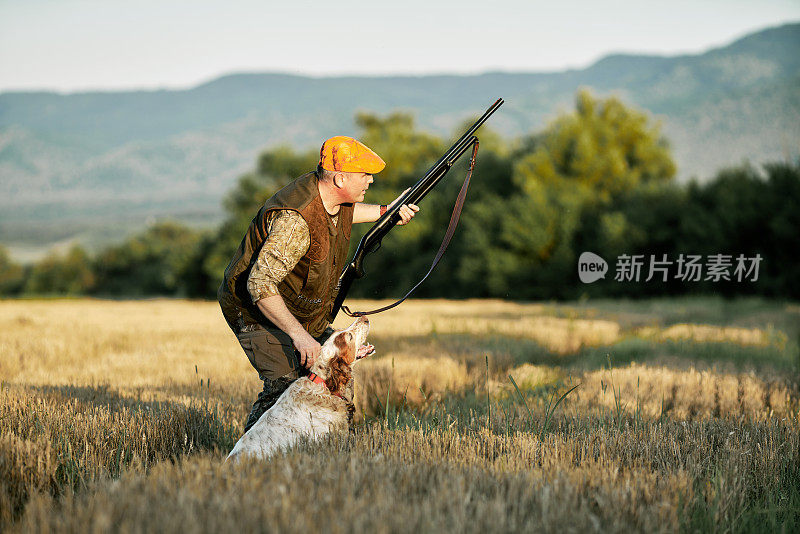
x,y
278,289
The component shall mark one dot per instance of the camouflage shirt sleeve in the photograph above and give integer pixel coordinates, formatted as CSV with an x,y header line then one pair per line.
x,y
288,239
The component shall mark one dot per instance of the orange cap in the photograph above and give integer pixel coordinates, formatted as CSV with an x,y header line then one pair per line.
x,y
346,154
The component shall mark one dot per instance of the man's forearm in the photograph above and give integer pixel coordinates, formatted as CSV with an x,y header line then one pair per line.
x,y
274,309
372,212
366,212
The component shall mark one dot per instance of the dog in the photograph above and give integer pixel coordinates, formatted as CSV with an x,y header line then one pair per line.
x,y
313,405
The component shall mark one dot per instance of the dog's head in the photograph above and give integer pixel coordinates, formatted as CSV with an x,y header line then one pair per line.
x,y
340,352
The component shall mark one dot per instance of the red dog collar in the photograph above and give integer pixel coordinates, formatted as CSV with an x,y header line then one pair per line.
x,y
319,380
315,378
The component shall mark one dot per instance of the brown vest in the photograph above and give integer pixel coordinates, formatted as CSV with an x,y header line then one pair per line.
x,y
309,289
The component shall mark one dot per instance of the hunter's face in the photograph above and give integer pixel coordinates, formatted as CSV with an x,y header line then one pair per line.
x,y
356,185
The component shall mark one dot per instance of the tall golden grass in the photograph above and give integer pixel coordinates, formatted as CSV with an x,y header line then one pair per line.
x,y
117,415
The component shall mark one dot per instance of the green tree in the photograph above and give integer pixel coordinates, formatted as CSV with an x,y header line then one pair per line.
x,y
647,220
522,243
603,148
70,274
746,211
520,246
156,262
12,275
781,253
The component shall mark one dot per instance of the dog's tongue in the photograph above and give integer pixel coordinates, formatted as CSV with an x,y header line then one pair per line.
x,y
364,351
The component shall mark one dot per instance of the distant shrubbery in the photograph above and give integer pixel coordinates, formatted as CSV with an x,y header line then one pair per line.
x,y
165,259
598,179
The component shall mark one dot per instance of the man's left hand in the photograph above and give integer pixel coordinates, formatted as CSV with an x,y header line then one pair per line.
x,y
407,211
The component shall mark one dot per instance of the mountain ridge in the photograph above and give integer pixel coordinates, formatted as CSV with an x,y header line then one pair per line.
x,y
184,148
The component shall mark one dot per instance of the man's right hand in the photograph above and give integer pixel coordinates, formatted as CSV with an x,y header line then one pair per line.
x,y
308,347
275,310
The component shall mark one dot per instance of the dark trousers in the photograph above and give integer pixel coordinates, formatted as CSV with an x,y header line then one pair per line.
x,y
273,355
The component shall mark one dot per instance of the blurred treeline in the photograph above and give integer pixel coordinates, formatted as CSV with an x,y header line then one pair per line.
x,y
599,178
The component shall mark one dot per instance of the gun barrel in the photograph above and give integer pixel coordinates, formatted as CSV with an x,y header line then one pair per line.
x,y
417,192
449,157
424,188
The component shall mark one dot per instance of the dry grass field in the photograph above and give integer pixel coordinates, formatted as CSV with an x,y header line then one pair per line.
x,y
686,417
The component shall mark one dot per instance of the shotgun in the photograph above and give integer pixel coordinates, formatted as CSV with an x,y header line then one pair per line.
x,y
372,239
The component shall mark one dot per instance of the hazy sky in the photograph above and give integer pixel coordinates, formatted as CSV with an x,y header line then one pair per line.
x,y
103,44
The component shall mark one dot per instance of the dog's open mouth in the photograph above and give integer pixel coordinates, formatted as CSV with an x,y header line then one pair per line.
x,y
364,351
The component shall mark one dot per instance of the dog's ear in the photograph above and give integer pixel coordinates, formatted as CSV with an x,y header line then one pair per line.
x,y
344,347
339,374
339,371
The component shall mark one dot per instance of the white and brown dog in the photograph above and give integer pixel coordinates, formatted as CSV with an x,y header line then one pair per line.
x,y
312,405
